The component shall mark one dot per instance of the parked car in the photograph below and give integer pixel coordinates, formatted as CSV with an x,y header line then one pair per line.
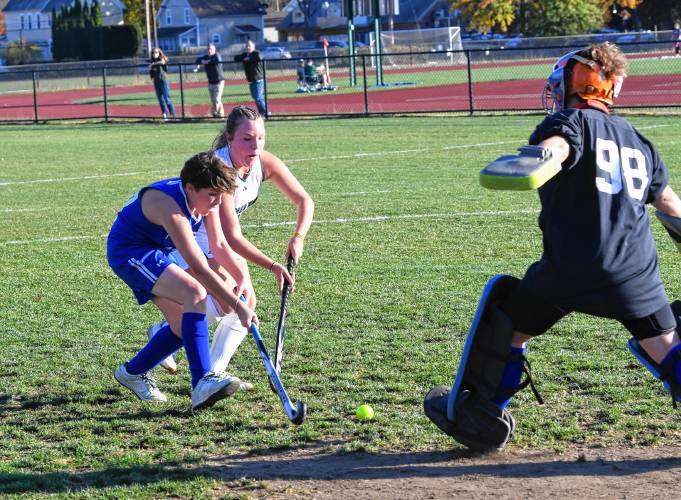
x,y
275,53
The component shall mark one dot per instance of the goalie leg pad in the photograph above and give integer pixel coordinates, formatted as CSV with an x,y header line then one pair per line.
x,y
480,425
665,374
487,346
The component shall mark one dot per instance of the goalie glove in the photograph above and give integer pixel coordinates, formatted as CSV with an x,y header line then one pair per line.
x,y
530,169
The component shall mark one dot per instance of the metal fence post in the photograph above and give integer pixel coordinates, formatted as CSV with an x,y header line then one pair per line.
x,y
182,90
264,76
470,82
364,77
106,102
35,98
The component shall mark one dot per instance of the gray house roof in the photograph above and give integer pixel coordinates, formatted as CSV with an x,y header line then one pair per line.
x,y
42,5
209,8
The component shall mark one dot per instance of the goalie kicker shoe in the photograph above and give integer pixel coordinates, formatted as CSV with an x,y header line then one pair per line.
x,y
143,385
169,364
212,388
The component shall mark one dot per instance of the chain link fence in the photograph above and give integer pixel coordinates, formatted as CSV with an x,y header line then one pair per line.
x,y
496,79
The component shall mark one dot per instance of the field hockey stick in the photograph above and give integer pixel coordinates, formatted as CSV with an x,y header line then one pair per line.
x,y
295,415
281,326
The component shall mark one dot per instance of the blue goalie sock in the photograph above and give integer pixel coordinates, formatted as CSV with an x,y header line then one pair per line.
x,y
195,339
159,347
511,377
672,362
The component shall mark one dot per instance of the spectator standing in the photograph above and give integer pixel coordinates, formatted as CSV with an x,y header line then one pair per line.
x,y
255,74
212,64
158,72
676,36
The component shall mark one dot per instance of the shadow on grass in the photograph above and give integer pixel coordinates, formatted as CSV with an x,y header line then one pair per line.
x,y
306,463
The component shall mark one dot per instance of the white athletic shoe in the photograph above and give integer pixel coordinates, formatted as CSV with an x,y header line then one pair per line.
x,y
245,386
169,364
212,388
144,386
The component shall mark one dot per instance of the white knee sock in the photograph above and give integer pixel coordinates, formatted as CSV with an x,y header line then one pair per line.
x,y
227,337
213,310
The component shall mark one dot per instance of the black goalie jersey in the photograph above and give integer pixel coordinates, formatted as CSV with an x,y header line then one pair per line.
x,y
599,254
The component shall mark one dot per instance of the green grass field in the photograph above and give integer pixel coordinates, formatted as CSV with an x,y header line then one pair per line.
x,y
403,242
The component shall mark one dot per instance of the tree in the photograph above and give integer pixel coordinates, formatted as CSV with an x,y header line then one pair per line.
x,y
485,15
556,17
135,14
96,14
309,8
659,13
563,17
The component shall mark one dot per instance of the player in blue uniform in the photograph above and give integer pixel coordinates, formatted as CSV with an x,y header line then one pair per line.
x,y
599,255
158,219
241,145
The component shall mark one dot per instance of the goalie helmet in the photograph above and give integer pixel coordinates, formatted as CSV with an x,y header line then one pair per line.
x,y
586,79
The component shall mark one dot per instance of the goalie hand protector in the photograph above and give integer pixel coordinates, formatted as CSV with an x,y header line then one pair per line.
x,y
530,169
672,225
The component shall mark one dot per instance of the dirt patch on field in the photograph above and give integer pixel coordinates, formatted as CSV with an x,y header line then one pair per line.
x,y
653,472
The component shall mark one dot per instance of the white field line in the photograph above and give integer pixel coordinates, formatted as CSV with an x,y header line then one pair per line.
x,y
340,220
14,210
294,160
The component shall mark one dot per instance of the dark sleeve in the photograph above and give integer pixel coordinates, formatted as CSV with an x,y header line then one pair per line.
x,y
567,125
660,177
198,60
255,56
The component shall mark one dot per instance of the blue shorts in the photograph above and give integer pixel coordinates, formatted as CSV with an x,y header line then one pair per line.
x,y
138,266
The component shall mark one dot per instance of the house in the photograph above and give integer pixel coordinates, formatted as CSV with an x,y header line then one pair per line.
x,y
3,26
30,21
187,24
326,18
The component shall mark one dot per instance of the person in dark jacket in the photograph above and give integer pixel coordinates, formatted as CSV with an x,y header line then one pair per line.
x,y
158,72
212,64
255,74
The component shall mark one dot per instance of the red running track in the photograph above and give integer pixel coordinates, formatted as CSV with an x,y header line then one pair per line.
x,y
639,91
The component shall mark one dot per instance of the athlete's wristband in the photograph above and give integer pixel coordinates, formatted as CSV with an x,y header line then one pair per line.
x,y
296,234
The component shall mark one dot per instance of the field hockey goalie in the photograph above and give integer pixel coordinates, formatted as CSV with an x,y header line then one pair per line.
x,y
468,412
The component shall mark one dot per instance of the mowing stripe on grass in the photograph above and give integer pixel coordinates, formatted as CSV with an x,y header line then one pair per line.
x,y
295,160
340,220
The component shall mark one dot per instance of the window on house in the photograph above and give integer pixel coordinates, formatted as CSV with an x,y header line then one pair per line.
x,y
22,22
37,20
187,15
30,24
216,38
169,16
184,42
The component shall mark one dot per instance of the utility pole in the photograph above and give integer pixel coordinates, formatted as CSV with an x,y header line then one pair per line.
x,y
146,16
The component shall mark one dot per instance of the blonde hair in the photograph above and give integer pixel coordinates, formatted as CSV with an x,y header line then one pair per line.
x,y
612,61
235,118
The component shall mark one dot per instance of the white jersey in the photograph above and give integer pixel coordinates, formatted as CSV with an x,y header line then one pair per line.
x,y
247,188
246,193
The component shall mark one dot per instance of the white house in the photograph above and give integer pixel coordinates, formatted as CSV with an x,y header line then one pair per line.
x,y
185,24
30,21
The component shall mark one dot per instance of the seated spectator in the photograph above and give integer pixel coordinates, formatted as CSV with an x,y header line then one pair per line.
x,y
301,73
312,76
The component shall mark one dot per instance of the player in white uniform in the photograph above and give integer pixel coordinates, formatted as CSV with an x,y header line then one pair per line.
x,y
241,146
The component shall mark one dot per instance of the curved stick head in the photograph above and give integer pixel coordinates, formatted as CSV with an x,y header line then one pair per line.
x,y
300,414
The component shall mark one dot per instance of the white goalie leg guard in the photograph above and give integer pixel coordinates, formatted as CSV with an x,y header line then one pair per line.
x,y
226,340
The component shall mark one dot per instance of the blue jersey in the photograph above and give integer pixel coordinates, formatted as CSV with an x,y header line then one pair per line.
x,y
132,228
